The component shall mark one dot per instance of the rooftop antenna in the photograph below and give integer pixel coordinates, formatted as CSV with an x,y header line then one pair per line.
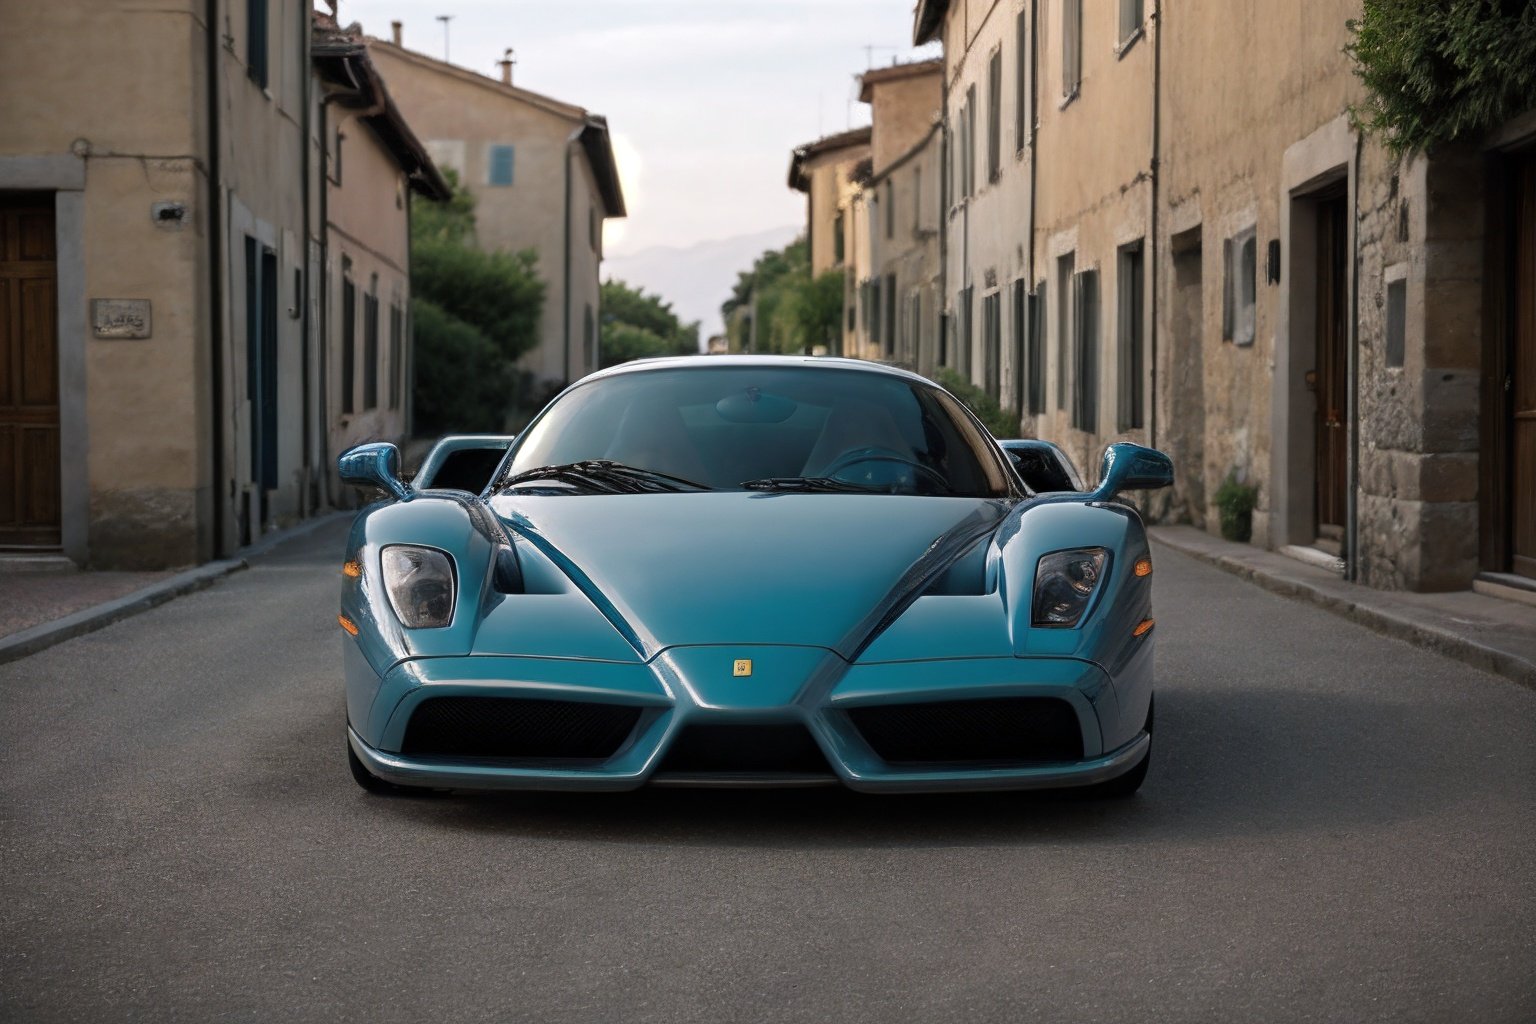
x,y
445,19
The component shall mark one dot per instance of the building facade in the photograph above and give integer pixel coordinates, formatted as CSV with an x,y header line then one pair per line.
x,y
899,311
543,176
829,171
161,213
1185,242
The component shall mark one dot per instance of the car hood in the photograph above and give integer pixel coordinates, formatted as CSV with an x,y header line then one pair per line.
x,y
827,570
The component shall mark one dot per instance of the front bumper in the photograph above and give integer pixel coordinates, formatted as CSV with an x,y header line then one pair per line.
x,y
791,689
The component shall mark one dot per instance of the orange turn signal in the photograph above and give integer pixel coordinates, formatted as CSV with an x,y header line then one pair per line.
x,y
1143,628
352,569
347,624
1143,567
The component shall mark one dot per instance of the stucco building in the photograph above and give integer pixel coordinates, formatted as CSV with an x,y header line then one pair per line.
x,y
543,176
161,230
900,303
828,171
1185,242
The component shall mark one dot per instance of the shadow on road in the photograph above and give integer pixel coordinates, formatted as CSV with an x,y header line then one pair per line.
x,y
1231,763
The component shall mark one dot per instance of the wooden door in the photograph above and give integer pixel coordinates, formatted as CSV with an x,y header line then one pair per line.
x,y
1522,373
1331,384
29,374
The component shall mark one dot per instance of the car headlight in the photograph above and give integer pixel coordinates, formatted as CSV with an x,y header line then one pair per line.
x,y
419,582
1064,584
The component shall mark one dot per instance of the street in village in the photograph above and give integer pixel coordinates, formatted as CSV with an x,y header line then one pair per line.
x,y
1337,827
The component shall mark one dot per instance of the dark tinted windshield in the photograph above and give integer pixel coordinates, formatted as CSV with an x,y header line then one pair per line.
x,y
725,426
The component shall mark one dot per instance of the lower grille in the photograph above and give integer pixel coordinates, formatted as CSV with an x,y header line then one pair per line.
x,y
744,748
513,727
1016,730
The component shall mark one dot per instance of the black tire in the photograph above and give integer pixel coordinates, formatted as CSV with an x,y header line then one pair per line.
x,y
371,782
1122,786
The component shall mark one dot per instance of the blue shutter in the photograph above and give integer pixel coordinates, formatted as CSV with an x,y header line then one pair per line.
x,y
501,165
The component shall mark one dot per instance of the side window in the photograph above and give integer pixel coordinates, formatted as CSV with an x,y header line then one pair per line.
x,y
499,166
1239,286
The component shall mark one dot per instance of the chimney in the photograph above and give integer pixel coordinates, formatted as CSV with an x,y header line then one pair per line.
x,y
395,32
506,63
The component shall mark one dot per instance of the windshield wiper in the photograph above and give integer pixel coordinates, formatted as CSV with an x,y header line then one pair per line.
x,y
610,477
803,483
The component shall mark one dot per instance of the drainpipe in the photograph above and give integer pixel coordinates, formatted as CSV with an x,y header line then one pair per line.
x,y
215,276
1352,498
1157,167
305,345
565,291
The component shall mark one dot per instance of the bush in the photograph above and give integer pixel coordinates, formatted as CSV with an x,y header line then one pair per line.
x,y
463,385
1236,501
1439,70
1003,423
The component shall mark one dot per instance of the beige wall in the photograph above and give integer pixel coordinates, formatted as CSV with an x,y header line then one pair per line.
x,y
460,116
901,112
368,231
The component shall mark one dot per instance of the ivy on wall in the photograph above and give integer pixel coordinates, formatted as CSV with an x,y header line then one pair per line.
x,y
1440,70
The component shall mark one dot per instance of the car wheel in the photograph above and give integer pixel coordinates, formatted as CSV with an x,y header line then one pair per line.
x,y
1127,784
371,782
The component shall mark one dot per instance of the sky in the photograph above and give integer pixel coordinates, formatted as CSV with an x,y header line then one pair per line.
x,y
705,98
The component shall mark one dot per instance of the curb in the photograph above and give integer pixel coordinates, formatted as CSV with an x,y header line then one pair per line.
x,y
1427,635
88,620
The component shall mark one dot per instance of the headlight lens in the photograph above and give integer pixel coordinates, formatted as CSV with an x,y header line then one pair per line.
x,y
419,582
1064,584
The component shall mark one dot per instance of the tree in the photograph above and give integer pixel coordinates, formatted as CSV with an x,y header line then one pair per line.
x,y
475,313
638,326
1439,70
794,312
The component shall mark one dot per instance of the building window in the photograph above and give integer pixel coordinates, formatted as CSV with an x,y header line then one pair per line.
x,y
256,32
992,344
890,208
1064,307
970,141
995,116
1131,285
1035,360
890,314
913,342
917,199
872,311
963,339
1085,350
1018,313
1021,97
1071,47
348,338
837,238
1239,260
593,227
371,346
1130,20
396,354
1397,321
589,336
499,166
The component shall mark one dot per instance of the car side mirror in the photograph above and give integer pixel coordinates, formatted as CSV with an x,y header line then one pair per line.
x,y
376,464
1131,467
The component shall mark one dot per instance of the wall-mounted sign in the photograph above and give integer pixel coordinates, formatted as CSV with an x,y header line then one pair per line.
x,y
120,318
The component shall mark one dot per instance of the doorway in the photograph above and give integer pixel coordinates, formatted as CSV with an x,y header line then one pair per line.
x,y
1329,379
30,504
1521,375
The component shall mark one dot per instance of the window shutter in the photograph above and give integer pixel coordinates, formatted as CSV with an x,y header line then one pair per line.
x,y
1226,289
1088,350
1071,46
995,116
1021,80
500,168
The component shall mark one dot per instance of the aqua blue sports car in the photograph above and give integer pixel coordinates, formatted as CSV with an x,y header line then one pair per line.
x,y
747,571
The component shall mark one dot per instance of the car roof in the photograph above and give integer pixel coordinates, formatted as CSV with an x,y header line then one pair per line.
x,y
703,362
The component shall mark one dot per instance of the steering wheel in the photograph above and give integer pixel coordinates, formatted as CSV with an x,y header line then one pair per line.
x,y
856,456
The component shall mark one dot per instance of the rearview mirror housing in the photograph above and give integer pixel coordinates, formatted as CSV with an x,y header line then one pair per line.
x,y
376,464
1132,467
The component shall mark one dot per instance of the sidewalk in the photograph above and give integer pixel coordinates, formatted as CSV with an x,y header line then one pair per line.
x,y
1487,632
40,607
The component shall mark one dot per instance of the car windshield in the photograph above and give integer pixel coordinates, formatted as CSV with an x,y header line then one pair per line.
x,y
794,428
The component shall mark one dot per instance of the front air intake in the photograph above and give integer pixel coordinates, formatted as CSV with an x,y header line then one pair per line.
x,y
1005,731
514,727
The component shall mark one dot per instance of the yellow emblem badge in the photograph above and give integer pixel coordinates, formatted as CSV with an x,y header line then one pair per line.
x,y
743,667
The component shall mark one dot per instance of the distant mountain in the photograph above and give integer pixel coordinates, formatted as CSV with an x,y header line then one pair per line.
x,y
696,279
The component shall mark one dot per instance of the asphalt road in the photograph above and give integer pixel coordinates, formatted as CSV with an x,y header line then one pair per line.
x,y
1337,827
